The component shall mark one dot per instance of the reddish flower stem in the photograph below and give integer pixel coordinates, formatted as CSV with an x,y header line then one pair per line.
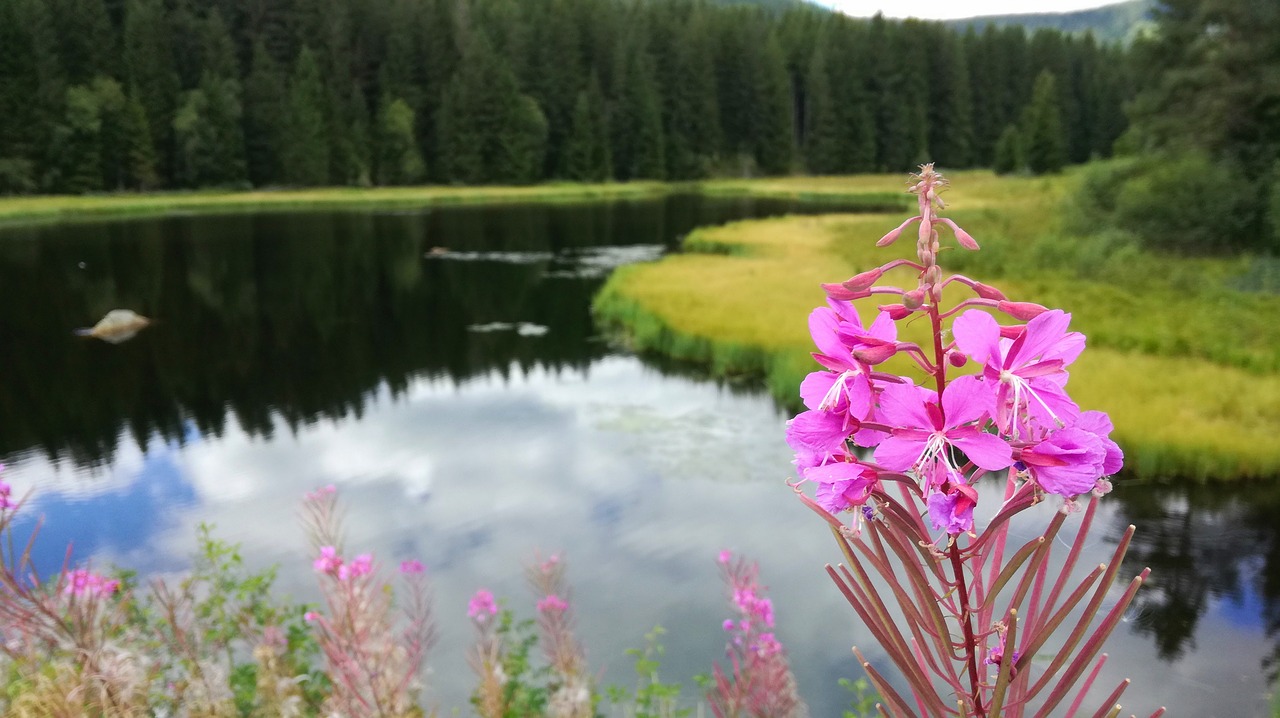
x,y
957,565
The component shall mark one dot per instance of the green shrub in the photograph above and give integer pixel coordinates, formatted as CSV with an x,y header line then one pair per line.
x,y
1188,204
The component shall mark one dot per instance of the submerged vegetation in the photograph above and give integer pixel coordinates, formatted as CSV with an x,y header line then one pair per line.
x,y
1186,364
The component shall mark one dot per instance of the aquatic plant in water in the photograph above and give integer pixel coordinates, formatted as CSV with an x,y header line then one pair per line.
x,y
975,628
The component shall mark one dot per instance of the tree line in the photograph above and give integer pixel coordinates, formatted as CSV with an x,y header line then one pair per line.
x,y
1202,155
105,95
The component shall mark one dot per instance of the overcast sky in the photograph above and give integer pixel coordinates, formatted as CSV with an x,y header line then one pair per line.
x,y
951,9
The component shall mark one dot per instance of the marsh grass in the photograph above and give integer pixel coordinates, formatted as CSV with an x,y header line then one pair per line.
x,y
1187,366
23,210
35,209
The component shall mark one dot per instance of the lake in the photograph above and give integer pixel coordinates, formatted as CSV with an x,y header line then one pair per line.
x,y
441,368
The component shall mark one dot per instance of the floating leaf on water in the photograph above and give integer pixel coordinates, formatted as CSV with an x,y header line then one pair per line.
x,y
117,326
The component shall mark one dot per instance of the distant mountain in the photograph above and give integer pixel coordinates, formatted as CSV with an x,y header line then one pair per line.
x,y
1110,23
770,4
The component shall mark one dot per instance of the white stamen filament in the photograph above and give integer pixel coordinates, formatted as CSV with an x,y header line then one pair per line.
x,y
838,388
1019,384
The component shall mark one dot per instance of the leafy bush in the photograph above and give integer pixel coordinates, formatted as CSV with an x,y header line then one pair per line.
x,y
1185,203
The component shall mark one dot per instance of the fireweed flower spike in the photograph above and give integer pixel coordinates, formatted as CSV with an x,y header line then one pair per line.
x,y
974,619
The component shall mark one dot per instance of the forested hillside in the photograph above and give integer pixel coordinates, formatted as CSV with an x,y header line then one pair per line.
x,y
1111,23
152,94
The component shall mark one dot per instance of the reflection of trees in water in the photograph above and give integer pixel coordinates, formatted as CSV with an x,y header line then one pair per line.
x,y
293,316
1203,543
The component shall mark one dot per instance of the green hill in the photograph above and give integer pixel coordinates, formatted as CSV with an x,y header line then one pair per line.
x,y
1110,23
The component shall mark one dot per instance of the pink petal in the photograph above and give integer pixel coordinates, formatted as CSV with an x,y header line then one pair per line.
x,y
817,432
823,326
1068,349
1043,333
899,453
815,387
903,405
884,328
966,399
986,450
977,334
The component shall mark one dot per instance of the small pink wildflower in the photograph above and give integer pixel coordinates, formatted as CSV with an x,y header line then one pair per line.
x,y
82,582
725,556
482,606
361,565
412,566
311,617
321,492
329,561
552,604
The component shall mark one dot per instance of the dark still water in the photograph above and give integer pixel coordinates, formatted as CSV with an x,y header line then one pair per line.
x,y
441,368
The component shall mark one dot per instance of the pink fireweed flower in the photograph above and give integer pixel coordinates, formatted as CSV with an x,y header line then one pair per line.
x,y
361,565
412,566
952,511
482,606
328,562
1025,375
924,432
841,484
757,609
847,350
82,582
321,492
311,617
725,556
1070,461
552,604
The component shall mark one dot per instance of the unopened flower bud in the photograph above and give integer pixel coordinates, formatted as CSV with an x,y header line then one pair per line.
x,y
892,236
1022,310
896,311
839,293
933,275
1012,332
962,236
986,291
863,281
913,299
875,355
956,359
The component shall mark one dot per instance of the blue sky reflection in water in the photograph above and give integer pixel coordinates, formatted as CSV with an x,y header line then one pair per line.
x,y
293,351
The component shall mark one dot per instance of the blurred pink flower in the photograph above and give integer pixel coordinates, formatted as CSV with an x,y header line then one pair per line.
x,y
482,606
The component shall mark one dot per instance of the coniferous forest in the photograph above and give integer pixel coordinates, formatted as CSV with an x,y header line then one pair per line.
x,y
107,95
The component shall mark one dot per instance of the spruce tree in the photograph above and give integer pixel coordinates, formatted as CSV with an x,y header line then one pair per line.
x,y
636,120
476,117
822,133
19,117
305,151
149,70
77,159
139,154
587,154
399,162
113,142
774,134
1008,152
208,135
522,144
1044,144
266,115
87,41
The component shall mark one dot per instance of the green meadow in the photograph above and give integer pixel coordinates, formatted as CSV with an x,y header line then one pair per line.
x,y
1184,353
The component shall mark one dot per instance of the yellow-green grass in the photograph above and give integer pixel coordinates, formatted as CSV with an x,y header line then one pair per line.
x,y
63,207
46,208
1186,368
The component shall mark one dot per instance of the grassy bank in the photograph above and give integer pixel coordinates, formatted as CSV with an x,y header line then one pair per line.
x,y
1188,367
23,210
